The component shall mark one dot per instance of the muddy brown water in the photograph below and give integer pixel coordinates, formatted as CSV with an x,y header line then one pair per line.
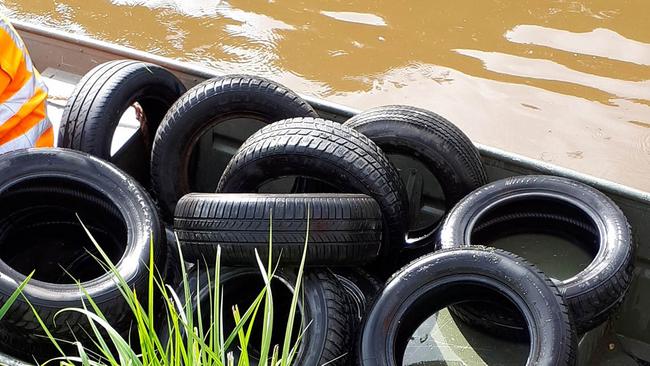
x,y
567,82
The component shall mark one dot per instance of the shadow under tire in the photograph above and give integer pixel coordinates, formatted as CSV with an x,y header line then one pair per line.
x,y
440,279
344,229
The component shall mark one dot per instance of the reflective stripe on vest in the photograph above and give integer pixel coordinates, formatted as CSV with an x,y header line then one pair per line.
x,y
23,121
29,138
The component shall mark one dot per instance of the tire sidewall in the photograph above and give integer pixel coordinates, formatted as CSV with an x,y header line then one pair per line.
x,y
551,341
614,238
136,207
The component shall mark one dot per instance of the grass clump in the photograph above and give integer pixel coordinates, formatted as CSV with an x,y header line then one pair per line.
x,y
180,337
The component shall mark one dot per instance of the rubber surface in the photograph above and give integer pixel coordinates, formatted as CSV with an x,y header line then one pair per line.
x,y
361,287
325,307
101,97
327,151
435,281
87,175
593,293
431,139
344,229
205,106
500,318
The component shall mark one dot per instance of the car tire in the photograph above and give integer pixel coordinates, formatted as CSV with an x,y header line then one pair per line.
x,y
79,177
435,281
438,144
594,292
325,309
326,151
96,105
342,229
203,107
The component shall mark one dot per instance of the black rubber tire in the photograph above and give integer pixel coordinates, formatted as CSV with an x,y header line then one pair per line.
x,y
204,106
434,141
75,171
324,307
501,319
327,151
95,107
344,229
362,289
435,281
596,291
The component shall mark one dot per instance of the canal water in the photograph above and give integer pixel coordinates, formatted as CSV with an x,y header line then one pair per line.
x,y
567,82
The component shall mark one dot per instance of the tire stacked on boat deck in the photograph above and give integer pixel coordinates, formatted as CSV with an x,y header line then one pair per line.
x,y
353,193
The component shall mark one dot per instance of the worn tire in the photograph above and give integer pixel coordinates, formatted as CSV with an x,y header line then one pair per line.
x,y
93,111
325,307
432,140
344,229
327,151
205,106
435,281
593,293
86,177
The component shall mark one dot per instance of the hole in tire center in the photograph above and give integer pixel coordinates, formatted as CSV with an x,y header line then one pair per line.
x,y
426,198
556,236
241,290
130,123
445,339
214,149
46,237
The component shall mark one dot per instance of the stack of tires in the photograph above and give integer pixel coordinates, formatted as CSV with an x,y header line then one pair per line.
x,y
385,251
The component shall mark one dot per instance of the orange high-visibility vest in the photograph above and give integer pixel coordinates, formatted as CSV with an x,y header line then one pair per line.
x,y
23,96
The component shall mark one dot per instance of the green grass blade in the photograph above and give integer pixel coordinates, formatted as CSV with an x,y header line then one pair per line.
x,y
14,295
267,324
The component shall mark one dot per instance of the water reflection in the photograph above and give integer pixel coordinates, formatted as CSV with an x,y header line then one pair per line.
x,y
598,42
545,79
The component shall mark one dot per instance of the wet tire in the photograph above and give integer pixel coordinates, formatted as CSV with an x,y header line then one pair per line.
x,y
325,307
594,292
329,152
43,233
203,107
95,107
499,318
435,281
438,144
343,229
